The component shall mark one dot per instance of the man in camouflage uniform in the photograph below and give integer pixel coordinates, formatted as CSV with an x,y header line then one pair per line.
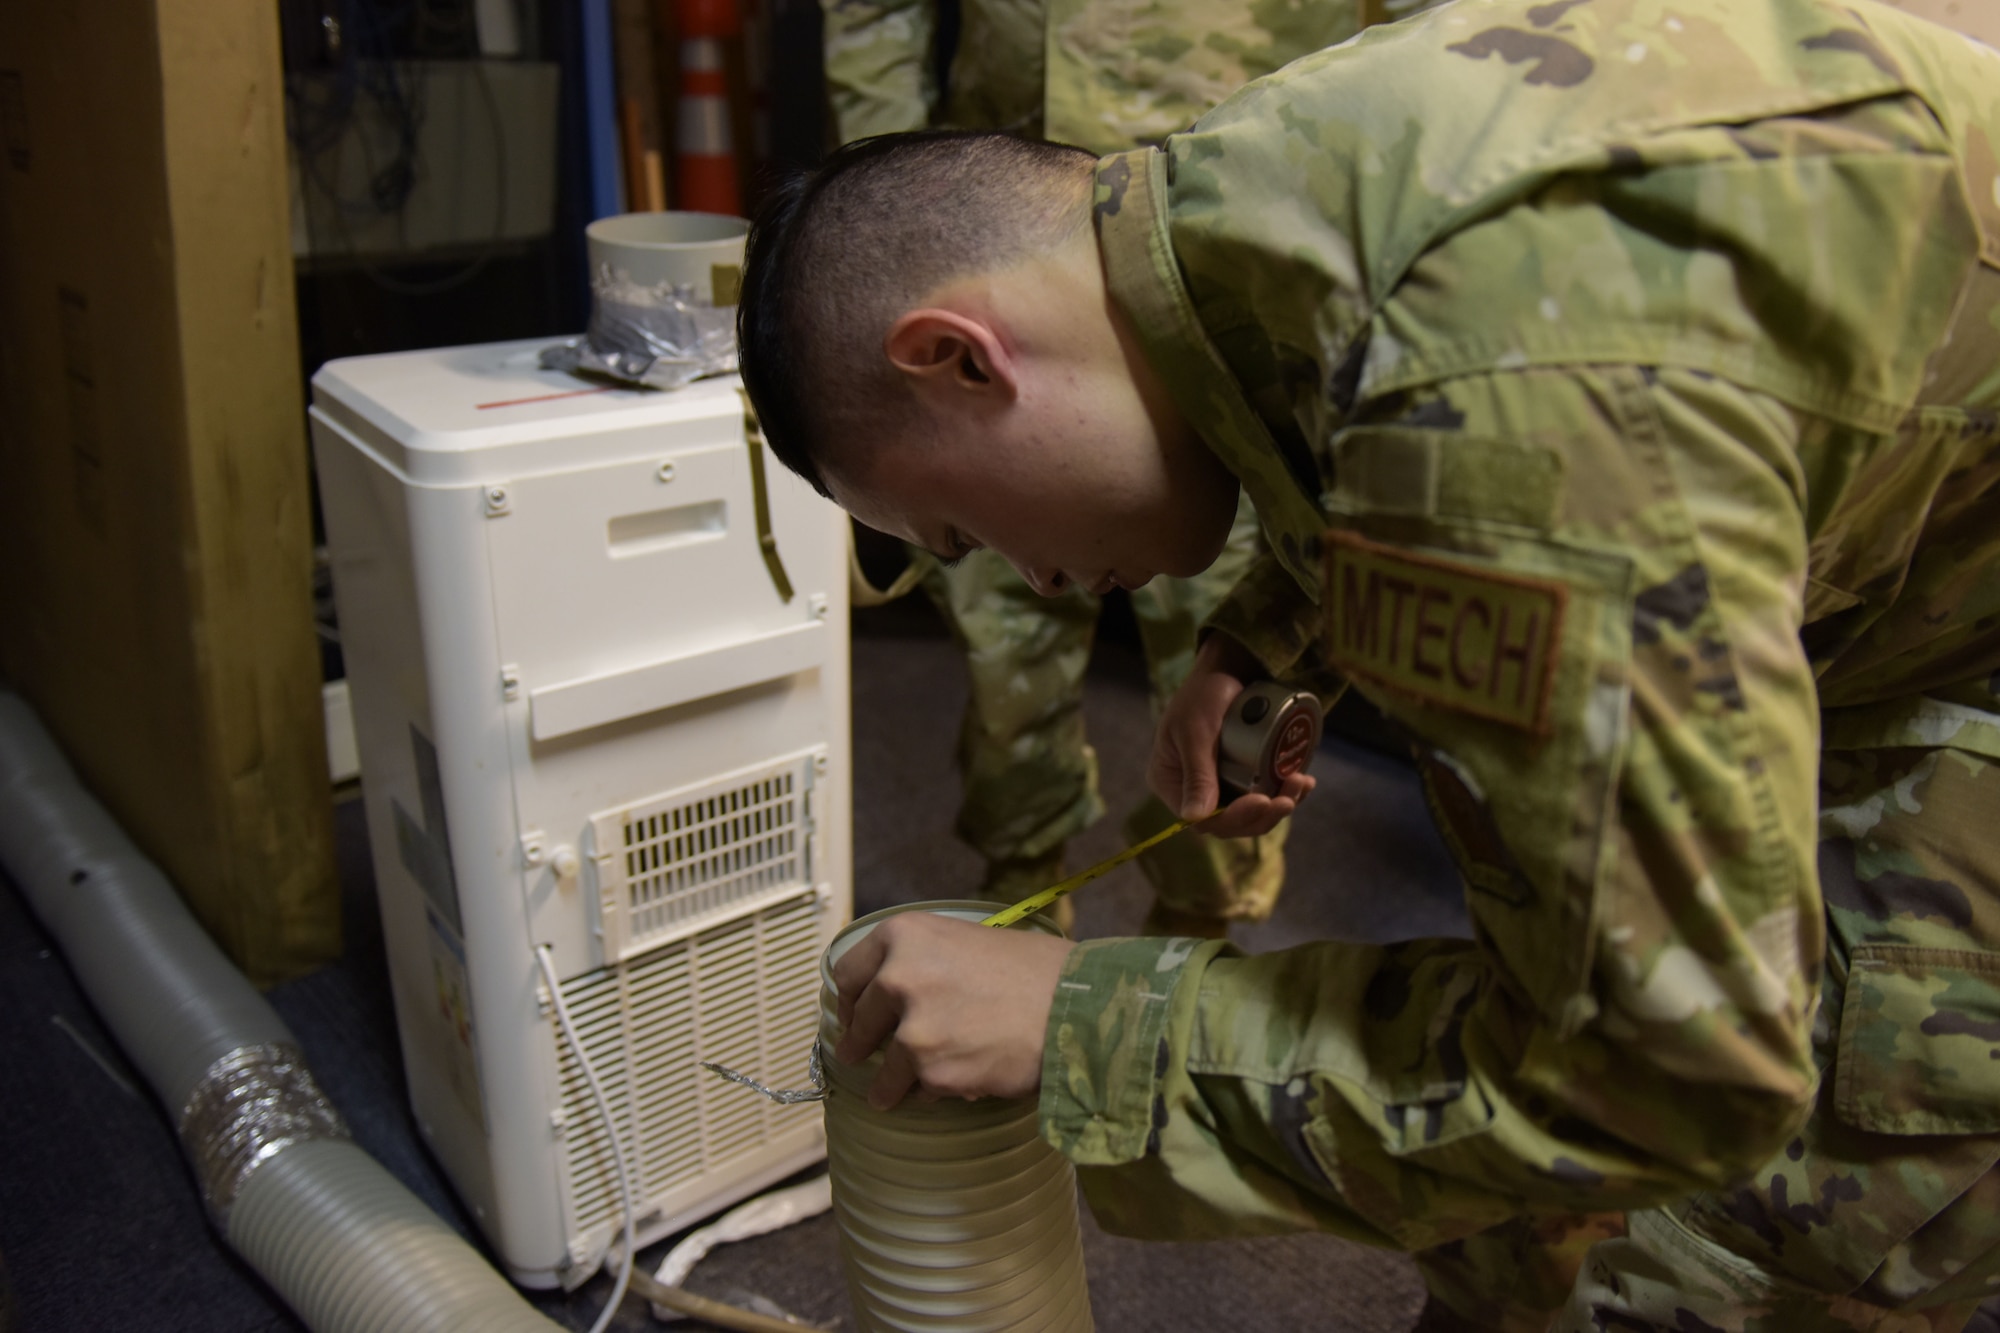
x,y
1105,75
1618,385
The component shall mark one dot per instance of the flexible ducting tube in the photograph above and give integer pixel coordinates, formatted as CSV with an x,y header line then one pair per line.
x,y
953,1215
340,1239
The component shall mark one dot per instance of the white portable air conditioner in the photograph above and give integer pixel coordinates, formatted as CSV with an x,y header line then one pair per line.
x,y
597,647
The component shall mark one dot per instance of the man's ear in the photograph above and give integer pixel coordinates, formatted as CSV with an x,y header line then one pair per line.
x,y
943,351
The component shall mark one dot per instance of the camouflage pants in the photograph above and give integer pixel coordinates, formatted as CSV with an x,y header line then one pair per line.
x,y
1031,777
1884,1213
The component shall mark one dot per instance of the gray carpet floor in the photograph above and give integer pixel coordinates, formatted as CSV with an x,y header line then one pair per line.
x,y
100,1227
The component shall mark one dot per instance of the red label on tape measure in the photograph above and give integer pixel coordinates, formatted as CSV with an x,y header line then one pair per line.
x,y
1295,746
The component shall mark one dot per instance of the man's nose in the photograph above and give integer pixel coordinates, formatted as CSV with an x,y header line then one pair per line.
x,y
1049,582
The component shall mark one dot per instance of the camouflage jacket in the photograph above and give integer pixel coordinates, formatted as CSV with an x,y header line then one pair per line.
x,y
1101,74
1616,383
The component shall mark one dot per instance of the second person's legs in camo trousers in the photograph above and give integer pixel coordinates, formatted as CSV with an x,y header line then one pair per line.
x,y
1030,774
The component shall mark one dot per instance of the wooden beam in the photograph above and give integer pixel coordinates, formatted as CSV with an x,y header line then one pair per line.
x,y
157,524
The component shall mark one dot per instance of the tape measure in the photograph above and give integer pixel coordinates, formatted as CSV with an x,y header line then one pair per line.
x,y
1270,733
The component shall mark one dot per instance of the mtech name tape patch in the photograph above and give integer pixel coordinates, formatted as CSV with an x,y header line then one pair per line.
x,y
1453,635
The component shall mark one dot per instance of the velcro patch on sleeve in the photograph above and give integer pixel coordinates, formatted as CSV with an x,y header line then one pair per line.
x,y
1453,635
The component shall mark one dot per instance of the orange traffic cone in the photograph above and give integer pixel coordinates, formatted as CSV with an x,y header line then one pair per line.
x,y
705,163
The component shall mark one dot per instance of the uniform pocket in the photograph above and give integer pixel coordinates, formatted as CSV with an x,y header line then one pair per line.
x,y
1920,1041
1408,1128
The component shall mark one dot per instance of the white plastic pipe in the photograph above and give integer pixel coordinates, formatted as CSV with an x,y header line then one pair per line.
x,y
953,1215
340,1239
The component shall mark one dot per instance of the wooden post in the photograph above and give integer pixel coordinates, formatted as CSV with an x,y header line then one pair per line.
x,y
155,526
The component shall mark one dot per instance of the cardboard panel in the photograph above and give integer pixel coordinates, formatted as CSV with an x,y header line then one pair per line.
x,y
154,521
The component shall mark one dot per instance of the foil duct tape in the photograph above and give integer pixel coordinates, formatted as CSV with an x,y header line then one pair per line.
x,y
252,1104
952,1215
663,292
657,337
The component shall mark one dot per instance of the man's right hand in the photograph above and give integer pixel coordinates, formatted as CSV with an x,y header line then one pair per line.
x,y
1183,768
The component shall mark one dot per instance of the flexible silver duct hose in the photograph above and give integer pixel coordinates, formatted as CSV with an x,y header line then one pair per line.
x,y
953,1215
339,1238
350,1249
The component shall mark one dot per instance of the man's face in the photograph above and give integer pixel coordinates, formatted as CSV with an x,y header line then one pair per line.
x,y
1038,429
1079,494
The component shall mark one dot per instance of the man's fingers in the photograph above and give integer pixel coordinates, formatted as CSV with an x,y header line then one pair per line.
x,y
895,1078
1199,791
875,1015
1193,745
856,968
1163,771
1248,816
1254,814
954,1009
1182,773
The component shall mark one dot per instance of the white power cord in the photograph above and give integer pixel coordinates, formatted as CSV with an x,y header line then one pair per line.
x,y
545,957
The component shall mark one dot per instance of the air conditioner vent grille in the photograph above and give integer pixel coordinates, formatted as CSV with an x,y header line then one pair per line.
x,y
670,862
743,993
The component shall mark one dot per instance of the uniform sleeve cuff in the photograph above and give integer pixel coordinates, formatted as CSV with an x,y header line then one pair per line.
x,y
1268,615
1109,1045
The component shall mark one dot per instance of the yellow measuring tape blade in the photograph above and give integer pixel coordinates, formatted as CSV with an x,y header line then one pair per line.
x,y
1028,906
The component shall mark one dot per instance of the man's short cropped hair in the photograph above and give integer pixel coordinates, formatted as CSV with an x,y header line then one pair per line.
x,y
839,252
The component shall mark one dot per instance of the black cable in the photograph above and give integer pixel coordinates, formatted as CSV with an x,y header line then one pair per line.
x,y
479,261
370,68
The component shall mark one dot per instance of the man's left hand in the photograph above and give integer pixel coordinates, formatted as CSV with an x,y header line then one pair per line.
x,y
961,1006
